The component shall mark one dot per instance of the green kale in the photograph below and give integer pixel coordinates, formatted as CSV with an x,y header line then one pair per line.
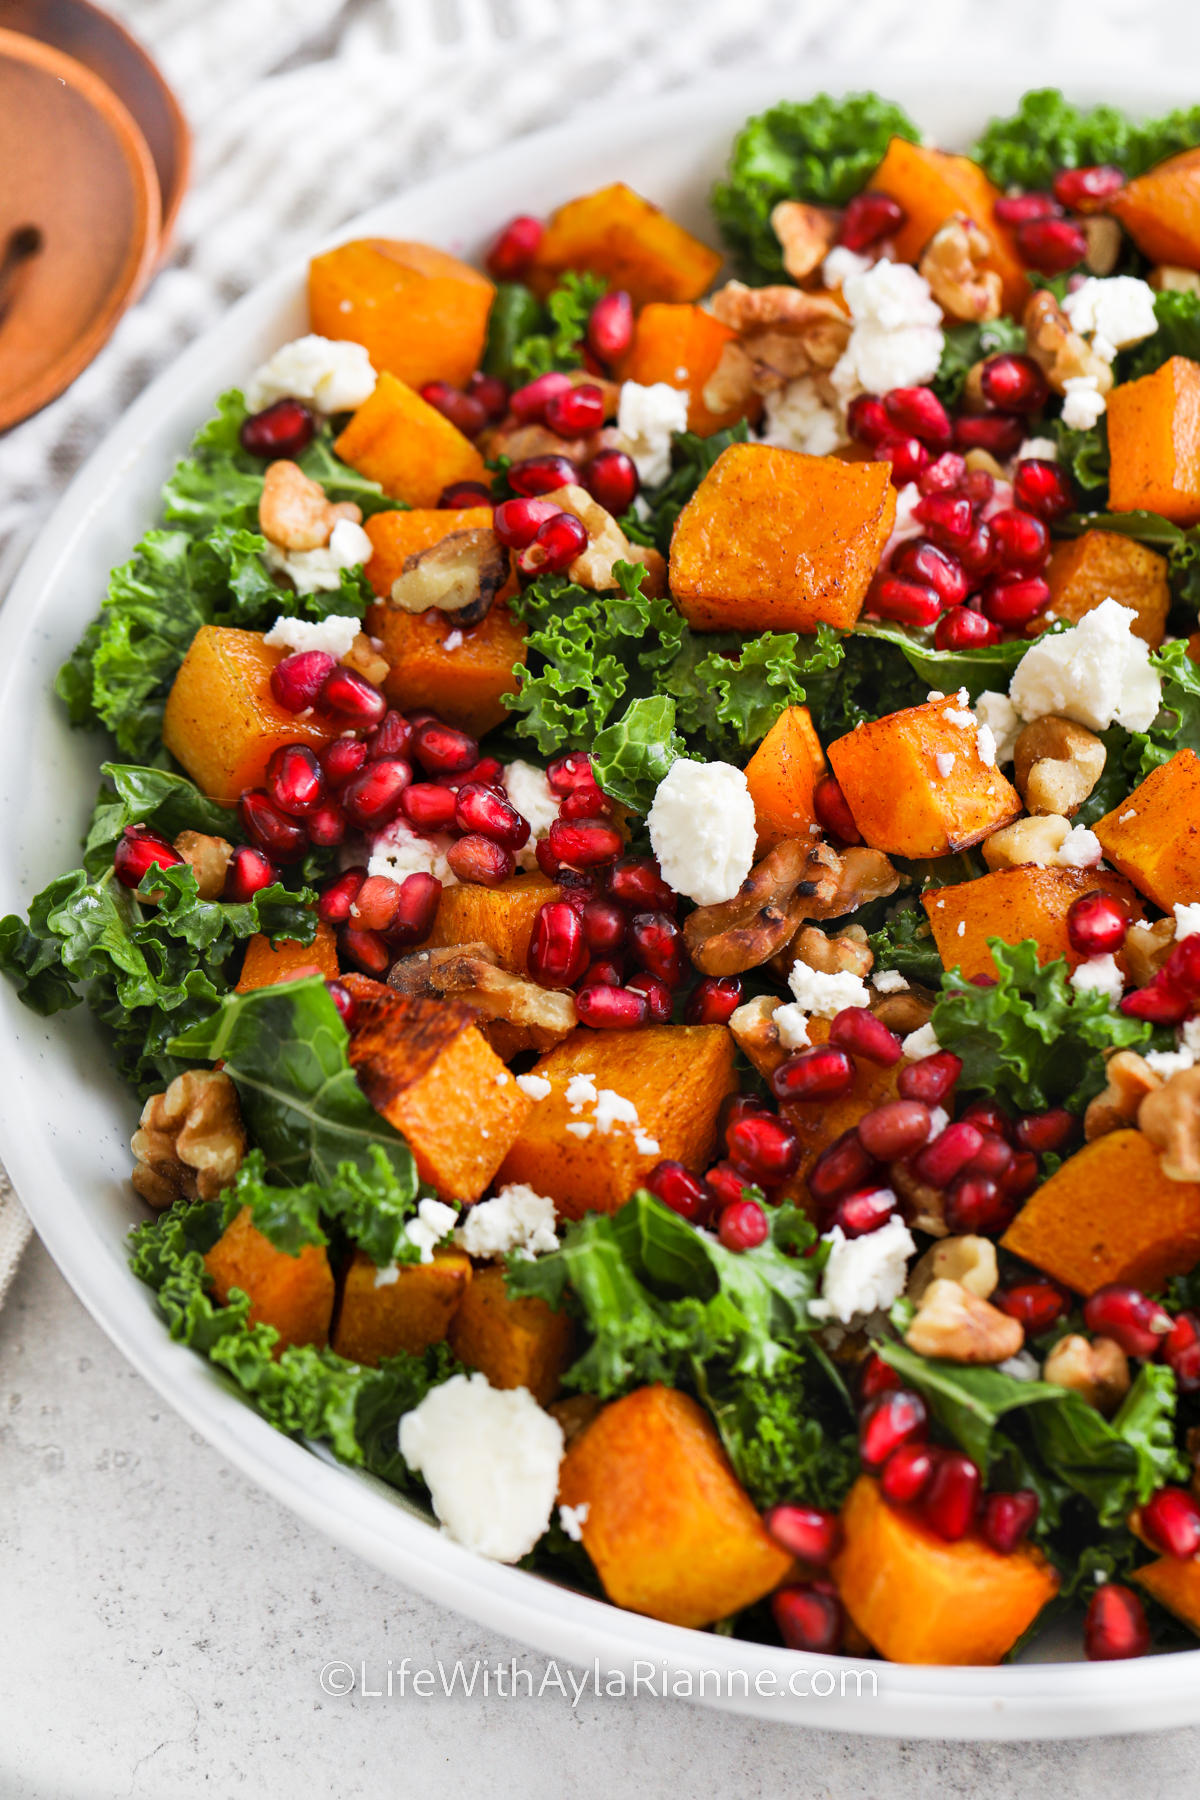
x,y
691,459
965,345
631,756
1178,334
557,341
1085,457
905,942
821,150
729,691
515,317
1047,133
968,1403
372,1206
782,1436
988,669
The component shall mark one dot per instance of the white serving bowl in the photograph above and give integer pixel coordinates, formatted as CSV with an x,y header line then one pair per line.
x,y
66,1120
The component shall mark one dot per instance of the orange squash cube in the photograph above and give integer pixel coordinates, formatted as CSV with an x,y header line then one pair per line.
x,y
377,1319
1161,210
399,535
773,540
466,685
403,443
221,720
292,1293
1015,904
675,1075
421,314
781,776
501,917
671,1530
1174,1581
632,244
1086,570
1110,1214
264,965
681,346
916,784
919,1599
930,185
516,1343
1153,837
426,1068
1154,443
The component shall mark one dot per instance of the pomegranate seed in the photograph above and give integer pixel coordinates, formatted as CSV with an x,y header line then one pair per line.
x,y
337,899
907,455
657,996
1096,924
822,1073
1181,1351
743,1226
604,926
558,952
374,906
514,250
279,837
248,873
464,413
949,1152
917,412
577,410
1022,1176
843,1166
1051,246
1135,1322
962,629
1043,488
441,750
284,429
542,475
951,1500
517,522
679,1189
809,1532
893,1418
657,945
866,420
1007,1518
923,561
462,494
764,1146
585,803
1012,601
416,909
611,1008
908,602
1114,1626
1182,967
1083,190
869,217
327,826
857,1030
570,772
294,780
727,1185
585,843
1014,384
342,759
988,1115
488,771
1034,1304
529,402
422,718
479,859
833,811
1161,1002
993,1159
139,849
612,479
864,1210
998,433
734,1107
348,695
1022,541
876,1377
977,553
481,809
895,1130
977,1206
393,736
907,1473
610,326
365,949
931,1079
948,472
297,680
344,1000
808,1619
714,1001
372,798
1047,1131
636,883
1171,1520
557,544
947,515
428,806
1020,209
578,885
605,971
492,395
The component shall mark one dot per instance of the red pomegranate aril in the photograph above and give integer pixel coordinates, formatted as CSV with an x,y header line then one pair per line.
x,y
344,1000
864,1210
1171,1520
585,843
1182,967
416,909
492,394
999,433
657,995
1047,1131
462,494
922,560
517,522
808,1619
282,839
867,421
875,1377
988,1115
1013,384
605,926
679,1189
337,899
657,946
578,885
907,455
465,413
327,826
978,1206
585,803
514,249
1181,1351
917,412
604,971
743,1226
480,808
868,217
727,1186
843,1166
895,1130
348,695
931,1079
1160,1002
1051,246
481,860
944,474
833,811
1019,209
1114,1626
558,952
1006,1519
809,1532
714,1001
960,628
248,873
1097,924
610,326
538,475
1034,1304
734,1107
295,781
949,1152
993,1159
1085,190
297,680
557,544
822,1073
139,849
636,883
1021,1177
576,411
765,1146
342,759
441,750
1043,488
391,737
489,771
373,797
570,772
1022,540
951,1500
893,1418
428,806
375,904
946,515
365,949
283,429
1134,1321
857,1030
907,1473
977,553
612,479
612,1008
907,602
529,402
1012,601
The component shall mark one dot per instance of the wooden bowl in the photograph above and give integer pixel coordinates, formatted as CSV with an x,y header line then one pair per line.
x,y
79,216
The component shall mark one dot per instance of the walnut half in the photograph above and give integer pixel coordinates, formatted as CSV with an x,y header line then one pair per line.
x,y
1170,1118
1130,1078
516,1014
190,1141
1056,764
1098,1371
953,265
461,574
957,1325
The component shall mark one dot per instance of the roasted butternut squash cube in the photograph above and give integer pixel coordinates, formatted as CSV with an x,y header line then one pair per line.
x,y
919,1599
917,785
1154,443
632,244
1161,210
403,443
773,540
501,917
1110,1214
399,535
1174,1581
670,1529
930,185
1015,904
424,1065
221,720
264,966
464,685
681,346
292,1293
421,314
588,1160
1086,570
782,775
1153,837
516,1343
407,1310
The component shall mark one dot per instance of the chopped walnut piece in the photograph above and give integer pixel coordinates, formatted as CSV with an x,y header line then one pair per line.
x,y
806,233
1036,840
208,859
923,1206
745,932
190,1141
365,660
1147,948
904,1012
953,1323
952,264
1060,352
756,1034
1168,278
983,462
1170,1118
1056,764
862,874
1130,1078
732,381
293,512
543,1016
845,953
1097,1371
461,574
1104,238
782,331
971,1261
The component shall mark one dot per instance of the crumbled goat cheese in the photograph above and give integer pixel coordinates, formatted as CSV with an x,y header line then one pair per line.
x,y
534,1087
702,830
330,374
1083,403
517,1219
1187,920
791,1022
863,1273
1096,672
920,1043
956,716
580,1090
573,1519
1170,1062
580,1129
798,419
1125,817
888,981
896,340
1022,1367
841,263
433,1221
398,851
320,571
1114,312
1044,449
985,743
1099,974
1080,849
997,715
532,795
333,634
906,526
614,1109
962,928
490,1459
388,1276
453,642
646,417
945,760
939,1118
823,996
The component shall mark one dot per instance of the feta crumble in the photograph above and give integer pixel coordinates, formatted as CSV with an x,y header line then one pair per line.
x,y
534,1087
646,417
573,1519
824,996
945,760
1187,920
433,1222
888,981
1044,449
896,340
985,743
398,851
703,831
798,419
863,1273
490,1459
921,1043
516,1219
1022,1367
1099,974
535,800
1096,672
1080,849
333,634
791,1022
330,374
1083,403
841,263
1114,312
998,716
320,571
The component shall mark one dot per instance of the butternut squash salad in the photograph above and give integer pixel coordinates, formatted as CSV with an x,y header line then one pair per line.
x,y
649,884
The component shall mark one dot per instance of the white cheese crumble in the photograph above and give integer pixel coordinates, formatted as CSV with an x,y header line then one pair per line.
x,y
1022,1367
1099,974
920,1043
388,1276
798,419
333,634
824,996
398,851
956,716
330,374
1114,312
1096,672
1080,849
580,1129
888,981
320,571
534,1087
863,1273
1083,403
1170,1062
1187,920
842,262
581,1089
985,743
573,1519
532,795
490,1459
945,760
997,714
434,1221
517,1219
906,526
646,417
702,830
791,1022
896,340
1043,449
454,641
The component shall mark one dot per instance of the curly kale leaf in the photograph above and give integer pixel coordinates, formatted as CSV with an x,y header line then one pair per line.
x,y
905,943
371,1204
556,343
1085,456
631,756
782,1435
1047,133
1178,334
